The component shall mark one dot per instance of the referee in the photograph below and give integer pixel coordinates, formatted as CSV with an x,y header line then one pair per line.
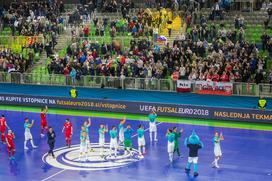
x,y
51,138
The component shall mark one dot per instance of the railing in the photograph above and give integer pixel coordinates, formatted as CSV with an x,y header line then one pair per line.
x,y
10,41
148,84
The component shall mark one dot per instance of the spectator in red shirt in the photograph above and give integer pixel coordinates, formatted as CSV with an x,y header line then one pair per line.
x,y
209,77
231,77
215,77
86,31
224,77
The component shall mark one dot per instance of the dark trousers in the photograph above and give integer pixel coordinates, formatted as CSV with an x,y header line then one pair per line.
x,y
177,150
51,147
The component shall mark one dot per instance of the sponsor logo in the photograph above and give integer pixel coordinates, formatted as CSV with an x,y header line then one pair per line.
x,y
97,159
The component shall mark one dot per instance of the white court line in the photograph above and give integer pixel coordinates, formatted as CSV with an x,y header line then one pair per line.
x,y
53,175
146,129
65,169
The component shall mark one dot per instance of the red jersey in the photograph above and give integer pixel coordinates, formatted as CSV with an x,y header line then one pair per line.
x,y
68,128
224,78
215,77
10,138
2,122
43,117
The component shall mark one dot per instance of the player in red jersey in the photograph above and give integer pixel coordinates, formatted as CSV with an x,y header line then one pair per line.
x,y
3,126
10,144
68,127
44,124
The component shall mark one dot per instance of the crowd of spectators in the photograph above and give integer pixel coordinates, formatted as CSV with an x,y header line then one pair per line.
x,y
33,18
204,54
15,62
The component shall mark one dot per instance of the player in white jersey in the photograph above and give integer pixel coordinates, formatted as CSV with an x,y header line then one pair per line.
x,y
83,150
86,126
217,149
102,130
28,135
121,131
113,141
152,125
141,140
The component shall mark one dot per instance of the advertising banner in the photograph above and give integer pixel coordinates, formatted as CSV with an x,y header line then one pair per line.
x,y
215,88
104,105
184,86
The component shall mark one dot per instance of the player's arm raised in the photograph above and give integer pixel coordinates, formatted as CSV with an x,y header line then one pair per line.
x,y
32,123
90,122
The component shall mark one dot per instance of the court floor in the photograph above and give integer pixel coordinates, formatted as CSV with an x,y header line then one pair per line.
x,y
246,154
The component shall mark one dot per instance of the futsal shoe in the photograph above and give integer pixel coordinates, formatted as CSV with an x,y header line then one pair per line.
x,y
195,174
26,148
34,147
42,135
156,140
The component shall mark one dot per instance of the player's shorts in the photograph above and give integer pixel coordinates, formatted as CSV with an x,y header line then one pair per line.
x,y
152,127
121,136
83,148
44,124
3,129
128,143
101,141
193,160
141,141
170,147
28,136
12,146
68,135
113,143
217,151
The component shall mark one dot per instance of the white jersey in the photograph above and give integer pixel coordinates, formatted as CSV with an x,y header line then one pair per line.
x,y
217,149
28,135
101,137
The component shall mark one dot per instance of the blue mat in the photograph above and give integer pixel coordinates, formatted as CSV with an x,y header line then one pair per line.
x,y
134,95
246,154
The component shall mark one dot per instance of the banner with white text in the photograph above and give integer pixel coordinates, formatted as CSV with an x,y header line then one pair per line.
x,y
104,105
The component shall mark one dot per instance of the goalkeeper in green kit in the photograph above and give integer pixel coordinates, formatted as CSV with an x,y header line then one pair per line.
x,y
177,136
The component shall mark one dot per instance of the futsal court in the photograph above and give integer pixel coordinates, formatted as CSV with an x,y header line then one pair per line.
x,y
246,152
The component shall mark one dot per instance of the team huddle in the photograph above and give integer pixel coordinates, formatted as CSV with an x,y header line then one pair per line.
x,y
120,138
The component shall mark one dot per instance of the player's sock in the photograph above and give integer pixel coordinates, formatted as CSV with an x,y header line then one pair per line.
x,y
143,149
32,143
188,166
171,157
3,138
139,150
150,136
9,155
195,168
216,163
12,153
155,137
115,151
25,147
